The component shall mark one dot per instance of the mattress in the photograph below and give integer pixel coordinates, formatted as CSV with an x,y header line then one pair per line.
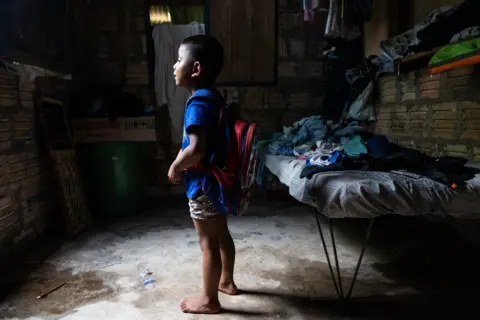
x,y
369,194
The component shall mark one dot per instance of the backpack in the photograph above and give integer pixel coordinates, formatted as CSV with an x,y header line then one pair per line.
x,y
234,165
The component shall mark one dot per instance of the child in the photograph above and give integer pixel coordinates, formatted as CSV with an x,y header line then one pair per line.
x,y
200,60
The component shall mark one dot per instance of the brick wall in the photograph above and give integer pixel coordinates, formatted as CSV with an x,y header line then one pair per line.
x,y
437,114
115,39
115,35
26,200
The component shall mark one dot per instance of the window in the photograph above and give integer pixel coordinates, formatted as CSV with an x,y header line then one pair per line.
x,y
177,13
159,14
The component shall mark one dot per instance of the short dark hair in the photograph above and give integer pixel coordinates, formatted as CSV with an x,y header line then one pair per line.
x,y
208,51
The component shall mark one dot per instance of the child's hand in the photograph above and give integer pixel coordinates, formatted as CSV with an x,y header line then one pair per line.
x,y
174,174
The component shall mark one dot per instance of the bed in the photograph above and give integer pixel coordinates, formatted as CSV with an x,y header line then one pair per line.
x,y
370,194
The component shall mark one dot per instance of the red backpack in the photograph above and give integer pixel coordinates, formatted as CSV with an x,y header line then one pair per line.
x,y
234,165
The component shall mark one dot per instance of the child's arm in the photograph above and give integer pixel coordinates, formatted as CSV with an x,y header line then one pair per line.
x,y
192,154
196,121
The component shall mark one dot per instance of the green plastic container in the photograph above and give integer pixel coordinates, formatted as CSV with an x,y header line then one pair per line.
x,y
115,177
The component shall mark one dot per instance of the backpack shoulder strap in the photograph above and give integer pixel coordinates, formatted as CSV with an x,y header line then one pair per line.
x,y
205,95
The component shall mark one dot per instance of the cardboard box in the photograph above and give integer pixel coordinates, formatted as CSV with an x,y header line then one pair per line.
x,y
94,130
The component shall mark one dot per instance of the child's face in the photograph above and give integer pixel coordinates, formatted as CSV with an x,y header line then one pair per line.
x,y
185,69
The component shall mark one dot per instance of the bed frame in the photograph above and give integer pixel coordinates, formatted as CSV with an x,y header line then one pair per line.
x,y
344,292
274,190
335,270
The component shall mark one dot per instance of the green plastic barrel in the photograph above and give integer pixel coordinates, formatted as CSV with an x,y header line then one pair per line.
x,y
115,177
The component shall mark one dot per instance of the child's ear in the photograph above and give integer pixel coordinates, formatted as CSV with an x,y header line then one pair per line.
x,y
197,69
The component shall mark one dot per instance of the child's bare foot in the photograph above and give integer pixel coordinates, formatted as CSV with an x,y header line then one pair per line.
x,y
200,305
228,287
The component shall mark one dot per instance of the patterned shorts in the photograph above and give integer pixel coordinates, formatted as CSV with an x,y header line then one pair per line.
x,y
202,208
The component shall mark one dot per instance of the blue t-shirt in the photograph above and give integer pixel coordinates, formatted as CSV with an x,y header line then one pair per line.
x,y
202,110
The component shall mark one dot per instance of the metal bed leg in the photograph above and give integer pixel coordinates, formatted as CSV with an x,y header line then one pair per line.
x,y
335,256
336,276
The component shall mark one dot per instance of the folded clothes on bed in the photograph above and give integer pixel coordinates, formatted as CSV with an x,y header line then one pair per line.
x,y
450,171
279,147
324,159
304,149
355,147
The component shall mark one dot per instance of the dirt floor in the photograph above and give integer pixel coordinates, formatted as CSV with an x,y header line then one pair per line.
x,y
413,269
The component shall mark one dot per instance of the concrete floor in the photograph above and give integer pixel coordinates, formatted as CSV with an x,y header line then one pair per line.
x,y
280,266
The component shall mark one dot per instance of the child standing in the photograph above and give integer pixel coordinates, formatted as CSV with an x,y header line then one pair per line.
x,y
200,60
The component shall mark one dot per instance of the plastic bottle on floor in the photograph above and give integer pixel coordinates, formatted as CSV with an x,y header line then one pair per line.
x,y
146,275
147,279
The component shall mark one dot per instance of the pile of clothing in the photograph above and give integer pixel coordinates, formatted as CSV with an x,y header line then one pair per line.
x,y
313,136
299,138
351,81
327,147
378,154
446,24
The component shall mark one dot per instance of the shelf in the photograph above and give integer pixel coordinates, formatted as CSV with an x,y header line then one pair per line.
x,y
419,55
416,61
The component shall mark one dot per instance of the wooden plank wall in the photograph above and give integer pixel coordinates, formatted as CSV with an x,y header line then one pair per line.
x,y
247,30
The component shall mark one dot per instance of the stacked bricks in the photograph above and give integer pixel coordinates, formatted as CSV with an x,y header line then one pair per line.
x,y
437,114
26,203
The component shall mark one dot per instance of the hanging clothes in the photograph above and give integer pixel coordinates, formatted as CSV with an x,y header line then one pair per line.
x,y
346,17
309,7
167,39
